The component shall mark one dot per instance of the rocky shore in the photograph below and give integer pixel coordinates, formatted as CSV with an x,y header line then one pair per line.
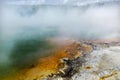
x,y
81,60
102,63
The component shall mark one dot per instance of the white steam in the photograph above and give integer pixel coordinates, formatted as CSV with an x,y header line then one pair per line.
x,y
70,22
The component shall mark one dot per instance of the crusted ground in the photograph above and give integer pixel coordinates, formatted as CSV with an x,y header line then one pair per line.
x,y
63,63
84,60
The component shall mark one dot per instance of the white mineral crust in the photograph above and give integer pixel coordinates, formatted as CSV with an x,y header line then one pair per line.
x,y
103,63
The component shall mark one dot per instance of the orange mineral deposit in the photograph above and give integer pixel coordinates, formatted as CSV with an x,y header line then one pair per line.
x,y
52,64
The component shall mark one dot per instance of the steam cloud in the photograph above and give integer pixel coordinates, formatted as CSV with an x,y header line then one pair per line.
x,y
101,21
24,22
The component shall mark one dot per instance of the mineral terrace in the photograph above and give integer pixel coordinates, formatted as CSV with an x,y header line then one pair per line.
x,y
80,60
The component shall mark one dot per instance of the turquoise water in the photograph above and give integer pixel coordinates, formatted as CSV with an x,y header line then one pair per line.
x,y
26,30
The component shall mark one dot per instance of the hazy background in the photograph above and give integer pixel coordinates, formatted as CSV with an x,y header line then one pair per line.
x,y
25,29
